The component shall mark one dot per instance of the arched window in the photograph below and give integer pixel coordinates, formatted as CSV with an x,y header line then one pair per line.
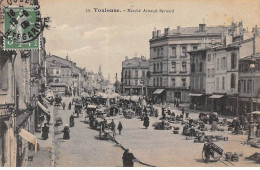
x,y
233,60
233,81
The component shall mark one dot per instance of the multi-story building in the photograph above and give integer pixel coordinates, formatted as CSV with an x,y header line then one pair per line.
x,y
248,78
214,73
170,62
59,74
20,82
134,75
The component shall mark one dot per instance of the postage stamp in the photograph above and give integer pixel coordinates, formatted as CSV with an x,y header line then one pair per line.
x,y
22,27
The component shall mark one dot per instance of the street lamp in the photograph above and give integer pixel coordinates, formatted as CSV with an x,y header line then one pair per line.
x,y
251,120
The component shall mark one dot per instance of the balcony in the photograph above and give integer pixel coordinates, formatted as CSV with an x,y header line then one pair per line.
x,y
6,110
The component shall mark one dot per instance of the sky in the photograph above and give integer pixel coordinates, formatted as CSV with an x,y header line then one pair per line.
x,y
101,38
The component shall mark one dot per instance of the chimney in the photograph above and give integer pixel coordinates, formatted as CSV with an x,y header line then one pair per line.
x,y
154,34
202,27
126,57
158,33
166,31
178,29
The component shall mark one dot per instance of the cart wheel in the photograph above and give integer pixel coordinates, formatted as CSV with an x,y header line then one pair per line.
x,y
205,157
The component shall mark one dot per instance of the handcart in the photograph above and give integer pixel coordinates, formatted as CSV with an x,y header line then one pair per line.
x,y
212,151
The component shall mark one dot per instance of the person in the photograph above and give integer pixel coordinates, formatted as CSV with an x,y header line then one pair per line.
x,y
146,121
163,125
45,131
182,112
41,120
156,113
48,118
128,159
237,127
66,132
169,111
163,113
69,107
71,120
63,105
175,102
187,115
120,127
113,125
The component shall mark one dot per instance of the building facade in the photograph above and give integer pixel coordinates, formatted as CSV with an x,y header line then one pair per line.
x,y
170,62
134,76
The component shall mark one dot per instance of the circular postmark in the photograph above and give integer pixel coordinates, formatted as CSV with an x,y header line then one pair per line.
x,y
22,26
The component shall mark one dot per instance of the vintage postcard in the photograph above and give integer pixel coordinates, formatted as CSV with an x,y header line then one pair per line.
x,y
129,83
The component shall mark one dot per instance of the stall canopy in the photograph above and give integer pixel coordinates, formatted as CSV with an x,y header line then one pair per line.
x,y
84,94
195,94
256,112
44,109
215,96
135,98
29,137
158,91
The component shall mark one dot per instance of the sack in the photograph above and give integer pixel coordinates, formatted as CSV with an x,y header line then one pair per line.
x,y
228,156
235,157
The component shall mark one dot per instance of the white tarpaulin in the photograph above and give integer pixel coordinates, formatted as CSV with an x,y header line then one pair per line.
x,y
215,96
135,98
29,137
43,107
158,91
194,94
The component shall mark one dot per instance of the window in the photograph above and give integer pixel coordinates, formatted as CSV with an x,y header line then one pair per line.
x,y
154,49
129,83
244,86
161,81
208,73
161,51
143,73
161,66
154,67
136,73
233,60
183,82
233,81
174,66
173,51
209,57
223,83
158,52
54,61
217,63
125,74
57,80
183,51
184,69
213,72
223,63
157,81
249,86
173,82
4,75
158,67
201,66
239,86
125,82
194,47
154,81
129,74
192,67
136,82
57,71
217,83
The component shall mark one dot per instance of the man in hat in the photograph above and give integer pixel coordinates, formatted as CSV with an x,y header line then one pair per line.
x,y
128,159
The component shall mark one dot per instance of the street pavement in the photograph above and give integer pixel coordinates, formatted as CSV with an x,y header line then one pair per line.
x,y
155,147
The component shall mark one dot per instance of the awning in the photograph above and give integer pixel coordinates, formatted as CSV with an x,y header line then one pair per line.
x,y
195,94
46,101
215,96
44,109
158,91
256,112
29,137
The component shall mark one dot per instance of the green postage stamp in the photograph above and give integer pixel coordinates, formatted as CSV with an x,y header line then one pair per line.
x,y
22,27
